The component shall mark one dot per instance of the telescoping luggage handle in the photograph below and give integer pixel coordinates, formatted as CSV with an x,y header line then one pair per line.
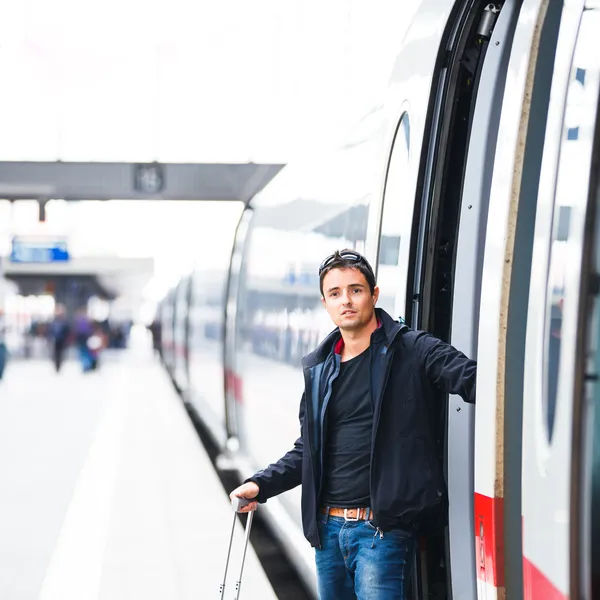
x,y
236,505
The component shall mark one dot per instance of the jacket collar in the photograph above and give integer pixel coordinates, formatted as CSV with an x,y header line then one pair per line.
x,y
385,333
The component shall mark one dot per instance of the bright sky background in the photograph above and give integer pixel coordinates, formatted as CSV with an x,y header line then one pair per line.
x,y
186,81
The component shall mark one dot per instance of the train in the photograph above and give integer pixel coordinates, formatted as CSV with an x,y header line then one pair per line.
x,y
473,190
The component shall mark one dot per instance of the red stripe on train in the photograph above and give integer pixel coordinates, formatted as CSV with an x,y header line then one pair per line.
x,y
489,539
233,385
536,586
489,544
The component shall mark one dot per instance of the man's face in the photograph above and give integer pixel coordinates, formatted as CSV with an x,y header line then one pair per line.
x,y
347,298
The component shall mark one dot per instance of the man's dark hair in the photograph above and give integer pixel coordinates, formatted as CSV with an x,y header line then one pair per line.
x,y
347,259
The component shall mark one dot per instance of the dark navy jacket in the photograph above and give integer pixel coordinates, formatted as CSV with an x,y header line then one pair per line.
x,y
407,485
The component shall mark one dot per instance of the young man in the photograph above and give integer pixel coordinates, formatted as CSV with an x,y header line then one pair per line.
x,y
366,455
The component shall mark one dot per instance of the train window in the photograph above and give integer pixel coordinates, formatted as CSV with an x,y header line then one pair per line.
x,y
564,242
396,222
554,312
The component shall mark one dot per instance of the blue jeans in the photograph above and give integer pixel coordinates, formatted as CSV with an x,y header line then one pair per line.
x,y
359,562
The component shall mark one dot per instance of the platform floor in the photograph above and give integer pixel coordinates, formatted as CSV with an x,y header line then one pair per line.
x,y
106,492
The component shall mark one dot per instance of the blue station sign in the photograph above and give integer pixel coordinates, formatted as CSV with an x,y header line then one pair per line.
x,y
39,251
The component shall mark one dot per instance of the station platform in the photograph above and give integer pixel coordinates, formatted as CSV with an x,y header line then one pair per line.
x,y
106,492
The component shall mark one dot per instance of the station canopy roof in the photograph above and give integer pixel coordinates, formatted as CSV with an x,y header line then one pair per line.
x,y
135,181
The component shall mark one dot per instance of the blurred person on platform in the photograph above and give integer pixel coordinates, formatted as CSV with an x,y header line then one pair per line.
x,y
59,332
156,331
83,330
95,344
3,348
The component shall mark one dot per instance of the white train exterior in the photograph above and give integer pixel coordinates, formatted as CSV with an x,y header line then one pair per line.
x,y
474,192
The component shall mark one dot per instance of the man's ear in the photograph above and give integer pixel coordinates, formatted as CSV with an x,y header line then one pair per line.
x,y
375,295
323,301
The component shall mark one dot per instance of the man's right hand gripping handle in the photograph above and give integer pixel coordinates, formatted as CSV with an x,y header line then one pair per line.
x,y
247,490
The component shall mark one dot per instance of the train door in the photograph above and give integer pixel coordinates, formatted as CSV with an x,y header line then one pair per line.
x,y
187,337
585,481
587,395
233,383
561,371
434,246
180,336
167,321
527,114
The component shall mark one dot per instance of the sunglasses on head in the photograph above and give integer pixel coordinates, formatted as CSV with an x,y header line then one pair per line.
x,y
347,255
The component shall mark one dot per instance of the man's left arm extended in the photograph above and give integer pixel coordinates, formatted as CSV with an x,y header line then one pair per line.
x,y
448,367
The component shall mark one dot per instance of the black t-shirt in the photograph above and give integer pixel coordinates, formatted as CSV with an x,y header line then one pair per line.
x,y
348,437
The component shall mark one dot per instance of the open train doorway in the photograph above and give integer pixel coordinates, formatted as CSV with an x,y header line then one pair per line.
x,y
457,159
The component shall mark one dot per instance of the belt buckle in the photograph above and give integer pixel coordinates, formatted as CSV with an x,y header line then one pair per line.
x,y
347,518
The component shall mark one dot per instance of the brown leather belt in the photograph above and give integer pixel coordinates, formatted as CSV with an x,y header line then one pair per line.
x,y
350,514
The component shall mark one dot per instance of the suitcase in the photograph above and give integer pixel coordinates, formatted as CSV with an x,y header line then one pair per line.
x,y
236,505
